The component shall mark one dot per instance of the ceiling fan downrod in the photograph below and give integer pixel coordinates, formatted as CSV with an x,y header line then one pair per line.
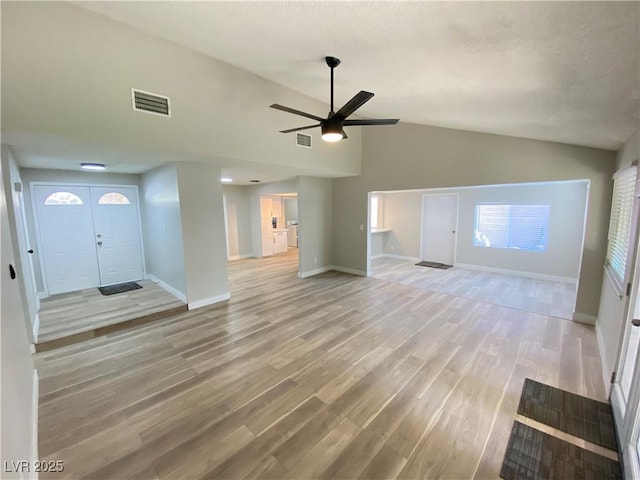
x,y
332,62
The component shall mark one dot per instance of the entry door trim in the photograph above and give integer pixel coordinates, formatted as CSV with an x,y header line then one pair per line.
x,y
422,226
36,221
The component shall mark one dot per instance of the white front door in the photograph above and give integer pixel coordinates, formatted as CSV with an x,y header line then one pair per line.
x,y
90,236
117,234
625,393
439,225
67,247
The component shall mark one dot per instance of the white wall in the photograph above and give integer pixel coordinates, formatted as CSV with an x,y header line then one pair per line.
x,y
567,200
203,233
21,241
30,175
315,225
18,390
290,210
238,221
410,156
611,314
162,228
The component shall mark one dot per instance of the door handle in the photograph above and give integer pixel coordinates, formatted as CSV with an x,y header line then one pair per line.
x,y
12,272
30,251
635,322
99,243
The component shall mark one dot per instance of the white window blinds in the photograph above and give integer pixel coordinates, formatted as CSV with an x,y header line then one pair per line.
x,y
521,227
624,187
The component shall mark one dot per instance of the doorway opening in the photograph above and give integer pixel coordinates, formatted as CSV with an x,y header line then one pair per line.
x,y
514,245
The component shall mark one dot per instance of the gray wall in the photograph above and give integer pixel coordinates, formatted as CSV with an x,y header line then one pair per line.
x,y
290,210
567,200
315,224
203,233
415,157
18,398
162,228
63,176
52,66
238,220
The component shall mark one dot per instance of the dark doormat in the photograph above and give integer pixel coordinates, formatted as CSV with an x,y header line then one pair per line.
x,y
119,288
574,414
441,266
533,454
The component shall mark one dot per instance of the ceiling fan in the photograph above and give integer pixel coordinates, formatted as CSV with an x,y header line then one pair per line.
x,y
333,126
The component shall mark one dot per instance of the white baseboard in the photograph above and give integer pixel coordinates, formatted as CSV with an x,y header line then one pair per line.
x,y
351,271
400,257
518,273
583,318
209,301
36,327
379,255
606,373
231,258
317,271
176,293
34,418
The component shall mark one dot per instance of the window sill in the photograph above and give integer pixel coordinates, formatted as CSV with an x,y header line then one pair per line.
x,y
380,230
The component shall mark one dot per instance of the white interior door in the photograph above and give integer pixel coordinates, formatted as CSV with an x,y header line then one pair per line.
x,y
266,227
67,245
439,226
117,234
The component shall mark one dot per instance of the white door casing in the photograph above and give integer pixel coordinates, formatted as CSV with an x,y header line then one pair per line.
x,y
117,234
439,227
67,245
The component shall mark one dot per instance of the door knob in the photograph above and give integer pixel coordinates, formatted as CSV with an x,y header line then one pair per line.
x,y
99,242
635,322
30,251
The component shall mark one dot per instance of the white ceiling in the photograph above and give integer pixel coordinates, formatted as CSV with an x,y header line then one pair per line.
x,y
559,71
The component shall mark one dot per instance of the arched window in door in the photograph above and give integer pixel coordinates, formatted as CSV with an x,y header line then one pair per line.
x,y
113,198
63,198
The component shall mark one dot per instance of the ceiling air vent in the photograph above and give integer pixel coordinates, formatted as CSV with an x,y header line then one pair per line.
x,y
303,140
150,103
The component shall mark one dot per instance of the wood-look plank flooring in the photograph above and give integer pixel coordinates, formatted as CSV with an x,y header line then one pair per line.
x,y
72,313
333,376
557,299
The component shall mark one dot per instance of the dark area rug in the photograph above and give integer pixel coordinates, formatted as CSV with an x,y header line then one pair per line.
x,y
441,266
119,288
574,414
532,454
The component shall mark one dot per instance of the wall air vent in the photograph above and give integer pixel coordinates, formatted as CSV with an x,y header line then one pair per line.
x,y
303,140
150,103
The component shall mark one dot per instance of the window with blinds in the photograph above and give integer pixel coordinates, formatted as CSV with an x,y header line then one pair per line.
x,y
624,187
520,227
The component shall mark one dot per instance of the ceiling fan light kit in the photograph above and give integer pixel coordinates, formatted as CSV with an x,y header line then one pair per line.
x,y
332,127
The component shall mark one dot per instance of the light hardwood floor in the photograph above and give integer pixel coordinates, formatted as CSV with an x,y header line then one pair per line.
x,y
546,297
333,376
72,313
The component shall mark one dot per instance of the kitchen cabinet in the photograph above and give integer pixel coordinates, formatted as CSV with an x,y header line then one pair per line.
x,y
279,241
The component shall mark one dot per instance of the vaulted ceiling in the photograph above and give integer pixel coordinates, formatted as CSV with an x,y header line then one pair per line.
x,y
558,71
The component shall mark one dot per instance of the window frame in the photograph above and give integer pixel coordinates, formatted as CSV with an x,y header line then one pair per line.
x,y
508,232
619,274
379,202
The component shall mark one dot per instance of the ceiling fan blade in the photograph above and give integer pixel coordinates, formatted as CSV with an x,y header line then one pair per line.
x,y
352,105
372,121
296,112
299,128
